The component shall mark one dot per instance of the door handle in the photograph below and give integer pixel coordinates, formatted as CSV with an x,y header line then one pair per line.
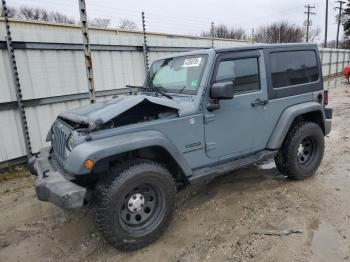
x,y
259,102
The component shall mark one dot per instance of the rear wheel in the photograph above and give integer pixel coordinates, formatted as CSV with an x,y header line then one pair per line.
x,y
302,151
135,204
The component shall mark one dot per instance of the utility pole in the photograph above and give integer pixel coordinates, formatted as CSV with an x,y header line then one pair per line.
x,y
308,13
253,35
87,51
145,46
326,26
339,20
212,31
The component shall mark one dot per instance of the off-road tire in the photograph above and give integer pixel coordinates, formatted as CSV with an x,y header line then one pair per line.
x,y
288,160
123,183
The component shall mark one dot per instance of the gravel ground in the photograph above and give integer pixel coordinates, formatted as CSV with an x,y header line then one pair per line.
x,y
254,214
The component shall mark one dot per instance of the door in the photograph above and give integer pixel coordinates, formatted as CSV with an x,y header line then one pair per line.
x,y
233,130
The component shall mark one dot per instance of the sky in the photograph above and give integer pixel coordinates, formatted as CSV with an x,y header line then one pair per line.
x,y
194,16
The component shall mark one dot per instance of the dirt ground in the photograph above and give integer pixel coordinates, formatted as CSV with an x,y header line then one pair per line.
x,y
253,214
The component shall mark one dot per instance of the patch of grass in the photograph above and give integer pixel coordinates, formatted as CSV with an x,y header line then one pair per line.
x,y
13,173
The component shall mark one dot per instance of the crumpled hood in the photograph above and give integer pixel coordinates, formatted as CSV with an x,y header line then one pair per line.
x,y
102,112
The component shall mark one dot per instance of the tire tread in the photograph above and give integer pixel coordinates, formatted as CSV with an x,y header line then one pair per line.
x,y
285,159
102,197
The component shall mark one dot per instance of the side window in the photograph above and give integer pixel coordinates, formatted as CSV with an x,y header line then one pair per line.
x,y
243,72
293,68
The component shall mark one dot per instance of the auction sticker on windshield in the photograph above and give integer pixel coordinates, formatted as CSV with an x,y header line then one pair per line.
x,y
192,62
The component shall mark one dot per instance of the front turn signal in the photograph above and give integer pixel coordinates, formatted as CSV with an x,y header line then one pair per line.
x,y
89,164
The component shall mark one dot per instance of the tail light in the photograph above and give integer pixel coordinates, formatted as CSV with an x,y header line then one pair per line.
x,y
325,97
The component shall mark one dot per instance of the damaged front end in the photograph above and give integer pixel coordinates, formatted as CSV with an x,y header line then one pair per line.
x,y
120,111
75,127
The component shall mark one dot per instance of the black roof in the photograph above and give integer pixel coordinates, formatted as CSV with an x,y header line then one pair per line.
x,y
264,46
213,51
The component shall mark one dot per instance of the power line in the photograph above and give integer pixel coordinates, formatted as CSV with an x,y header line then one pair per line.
x,y
308,13
339,20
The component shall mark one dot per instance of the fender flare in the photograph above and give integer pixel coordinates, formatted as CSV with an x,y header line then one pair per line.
x,y
286,119
102,148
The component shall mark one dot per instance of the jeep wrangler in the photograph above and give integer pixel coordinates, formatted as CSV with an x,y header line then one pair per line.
x,y
198,115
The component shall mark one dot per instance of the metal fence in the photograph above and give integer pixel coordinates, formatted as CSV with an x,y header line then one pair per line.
x,y
51,70
334,60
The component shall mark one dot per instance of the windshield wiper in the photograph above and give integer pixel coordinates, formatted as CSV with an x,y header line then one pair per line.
x,y
182,89
155,88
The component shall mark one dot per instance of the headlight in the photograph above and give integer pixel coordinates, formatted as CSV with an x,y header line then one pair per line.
x,y
70,142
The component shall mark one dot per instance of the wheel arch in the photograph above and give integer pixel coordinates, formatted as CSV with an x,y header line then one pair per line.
x,y
154,153
150,144
310,111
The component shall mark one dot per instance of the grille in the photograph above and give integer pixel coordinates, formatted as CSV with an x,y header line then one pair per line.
x,y
56,165
61,134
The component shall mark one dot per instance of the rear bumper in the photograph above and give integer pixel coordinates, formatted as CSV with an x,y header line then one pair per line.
x,y
327,126
328,120
52,186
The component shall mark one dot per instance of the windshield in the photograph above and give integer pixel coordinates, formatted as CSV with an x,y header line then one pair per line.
x,y
177,74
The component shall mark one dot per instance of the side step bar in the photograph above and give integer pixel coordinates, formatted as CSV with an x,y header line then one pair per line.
x,y
209,173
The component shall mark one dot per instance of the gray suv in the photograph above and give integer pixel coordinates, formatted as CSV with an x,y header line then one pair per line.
x,y
198,115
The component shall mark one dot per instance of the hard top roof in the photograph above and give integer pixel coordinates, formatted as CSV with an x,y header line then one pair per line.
x,y
213,51
265,46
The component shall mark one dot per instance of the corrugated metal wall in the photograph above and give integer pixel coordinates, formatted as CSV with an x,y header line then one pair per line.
x,y
57,70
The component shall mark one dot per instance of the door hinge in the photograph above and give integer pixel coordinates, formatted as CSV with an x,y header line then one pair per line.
x,y
209,118
210,146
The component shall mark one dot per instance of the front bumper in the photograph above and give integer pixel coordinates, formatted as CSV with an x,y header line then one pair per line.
x,y
52,185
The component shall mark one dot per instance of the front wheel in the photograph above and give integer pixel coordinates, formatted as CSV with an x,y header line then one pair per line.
x,y
302,151
135,204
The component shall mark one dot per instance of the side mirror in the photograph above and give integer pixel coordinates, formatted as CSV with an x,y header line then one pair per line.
x,y
219,91
222,90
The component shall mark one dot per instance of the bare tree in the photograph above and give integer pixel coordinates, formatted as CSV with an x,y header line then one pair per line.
x,y
314,33
343,44
39,14
238,33
127,24
11,12
33,13
222,31
280,32
26,12
100,22
205,34
57,17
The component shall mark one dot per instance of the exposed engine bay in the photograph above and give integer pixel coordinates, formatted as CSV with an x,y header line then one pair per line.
x,y
143,111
